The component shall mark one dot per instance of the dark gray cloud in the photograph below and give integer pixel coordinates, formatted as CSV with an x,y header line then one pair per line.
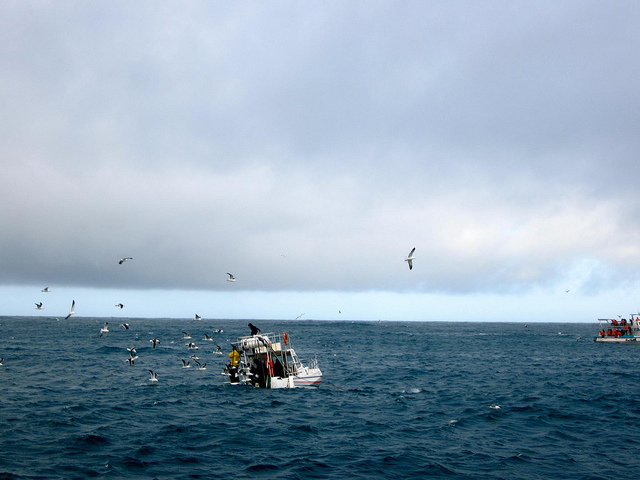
x,y
309,147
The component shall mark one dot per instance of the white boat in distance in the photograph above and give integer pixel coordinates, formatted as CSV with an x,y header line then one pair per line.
x,y
619,331
268,360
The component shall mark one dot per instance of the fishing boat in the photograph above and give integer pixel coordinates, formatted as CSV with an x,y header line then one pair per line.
x,y
619,331
268,360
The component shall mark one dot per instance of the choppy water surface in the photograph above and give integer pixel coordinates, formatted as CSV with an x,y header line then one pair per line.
x,y
399,400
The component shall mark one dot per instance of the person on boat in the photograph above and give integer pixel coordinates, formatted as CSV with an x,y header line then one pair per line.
x,y
232,367
258,373
278,368
234,357
254,330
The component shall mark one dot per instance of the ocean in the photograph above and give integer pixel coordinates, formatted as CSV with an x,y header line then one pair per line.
x,y
399,400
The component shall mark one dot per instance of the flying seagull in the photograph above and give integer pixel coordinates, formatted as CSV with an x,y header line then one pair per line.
x,y
122,260
410,258
1,360
73,310
45,290
299,316
231,278
104,329
155,341
197,317
120,305
39,306
154,376
125,326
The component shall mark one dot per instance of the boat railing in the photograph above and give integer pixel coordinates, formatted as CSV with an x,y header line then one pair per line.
x,y
313,363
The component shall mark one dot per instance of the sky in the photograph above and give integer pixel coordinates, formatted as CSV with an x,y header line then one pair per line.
x,y
307,147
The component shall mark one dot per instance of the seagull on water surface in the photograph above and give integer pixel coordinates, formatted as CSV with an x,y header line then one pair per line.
x,y
495,407
154,376
155,341
1,360
185,364
39,306
201,366
124,259
186,336
410,258
73,310
231,278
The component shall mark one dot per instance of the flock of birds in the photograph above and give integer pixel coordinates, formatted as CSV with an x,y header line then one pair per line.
x,y
155,342
40,305
133,355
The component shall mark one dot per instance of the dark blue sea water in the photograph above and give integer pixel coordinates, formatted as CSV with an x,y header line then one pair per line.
x,y
399,400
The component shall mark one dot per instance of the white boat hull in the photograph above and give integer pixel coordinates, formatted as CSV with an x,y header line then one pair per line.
x,y
617,339
312,376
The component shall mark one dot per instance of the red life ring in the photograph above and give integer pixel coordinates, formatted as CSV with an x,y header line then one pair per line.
x,y
285,338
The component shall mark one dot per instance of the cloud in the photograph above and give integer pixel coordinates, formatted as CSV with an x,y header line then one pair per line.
x,y
310,148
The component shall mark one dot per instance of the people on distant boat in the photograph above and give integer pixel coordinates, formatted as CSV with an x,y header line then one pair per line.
x,y
254,330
